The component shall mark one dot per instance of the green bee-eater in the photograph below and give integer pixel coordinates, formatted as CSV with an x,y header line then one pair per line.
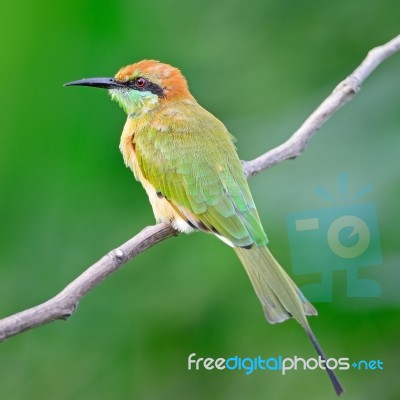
x,y
187,163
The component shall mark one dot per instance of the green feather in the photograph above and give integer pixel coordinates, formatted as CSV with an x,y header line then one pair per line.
x,y
196,167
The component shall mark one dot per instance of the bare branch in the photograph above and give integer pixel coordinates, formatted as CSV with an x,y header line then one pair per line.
x,y
343,93
65,303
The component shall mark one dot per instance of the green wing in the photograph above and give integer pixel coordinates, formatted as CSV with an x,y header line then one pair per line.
x,y
194,165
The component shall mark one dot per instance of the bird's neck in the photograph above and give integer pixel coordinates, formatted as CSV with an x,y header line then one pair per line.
x,y
135,103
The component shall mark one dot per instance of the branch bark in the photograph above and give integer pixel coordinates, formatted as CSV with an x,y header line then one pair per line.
x,y
65,303
342,94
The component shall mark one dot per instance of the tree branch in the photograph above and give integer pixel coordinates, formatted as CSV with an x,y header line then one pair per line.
x,y
65,303
343,93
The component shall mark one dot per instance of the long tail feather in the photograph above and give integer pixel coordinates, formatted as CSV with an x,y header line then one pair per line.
x,y
279,295
335,382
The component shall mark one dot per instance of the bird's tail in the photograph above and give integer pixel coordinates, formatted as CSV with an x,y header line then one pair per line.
x,y
279,295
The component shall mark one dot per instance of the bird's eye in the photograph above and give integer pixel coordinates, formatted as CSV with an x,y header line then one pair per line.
x,y
140,82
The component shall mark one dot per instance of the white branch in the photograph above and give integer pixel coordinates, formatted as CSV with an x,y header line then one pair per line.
x,y
343,93
64,304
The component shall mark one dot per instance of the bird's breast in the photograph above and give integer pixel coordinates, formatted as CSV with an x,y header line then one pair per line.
x,y
162,209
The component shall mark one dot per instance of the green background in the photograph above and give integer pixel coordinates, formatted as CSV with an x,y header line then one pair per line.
x,y
66,198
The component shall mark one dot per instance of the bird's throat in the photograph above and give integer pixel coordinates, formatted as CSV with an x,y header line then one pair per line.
x,y
133,102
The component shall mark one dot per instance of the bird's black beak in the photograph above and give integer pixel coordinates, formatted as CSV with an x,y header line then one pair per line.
x,y
104,83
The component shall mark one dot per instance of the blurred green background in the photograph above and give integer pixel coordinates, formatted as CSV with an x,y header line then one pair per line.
x,y
66,197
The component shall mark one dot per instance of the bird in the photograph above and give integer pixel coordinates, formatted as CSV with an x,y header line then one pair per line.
x,y
187,162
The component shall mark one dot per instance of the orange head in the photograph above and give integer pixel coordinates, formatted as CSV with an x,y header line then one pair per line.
x,y
142,86
170,81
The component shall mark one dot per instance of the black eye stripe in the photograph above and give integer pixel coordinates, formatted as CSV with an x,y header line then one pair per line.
x,y
147,87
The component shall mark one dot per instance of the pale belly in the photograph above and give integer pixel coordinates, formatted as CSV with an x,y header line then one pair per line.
x,y
162,209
